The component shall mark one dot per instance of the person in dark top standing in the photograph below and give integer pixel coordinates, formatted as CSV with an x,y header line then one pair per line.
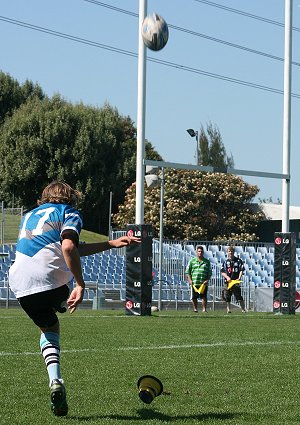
x,y
233,269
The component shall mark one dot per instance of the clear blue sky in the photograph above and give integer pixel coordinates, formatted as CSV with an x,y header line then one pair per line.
x,y
250,120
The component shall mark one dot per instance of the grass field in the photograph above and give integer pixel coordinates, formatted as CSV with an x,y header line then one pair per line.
x,y
11,227
215,368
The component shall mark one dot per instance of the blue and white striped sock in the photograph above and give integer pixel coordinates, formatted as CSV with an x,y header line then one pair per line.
x,y
50,349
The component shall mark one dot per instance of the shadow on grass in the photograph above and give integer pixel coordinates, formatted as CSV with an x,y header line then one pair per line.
x,y
147,414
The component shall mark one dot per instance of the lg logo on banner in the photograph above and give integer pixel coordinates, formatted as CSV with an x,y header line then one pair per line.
x,y
130,305
136,233
278,241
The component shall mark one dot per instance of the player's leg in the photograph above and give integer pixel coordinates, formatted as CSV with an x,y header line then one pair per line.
x,y
204,304
239,297
204,299
194,299
242,304
227,296
50,349
41,308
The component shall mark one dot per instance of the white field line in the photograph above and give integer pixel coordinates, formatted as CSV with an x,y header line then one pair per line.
x,y
163,347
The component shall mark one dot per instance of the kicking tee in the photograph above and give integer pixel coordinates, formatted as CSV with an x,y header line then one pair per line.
x,y
39,265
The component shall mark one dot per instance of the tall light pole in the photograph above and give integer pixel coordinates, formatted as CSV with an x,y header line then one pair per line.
x,y
194,133
287,115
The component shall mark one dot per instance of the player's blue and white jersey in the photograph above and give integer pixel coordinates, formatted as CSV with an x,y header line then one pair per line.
x,y
39,265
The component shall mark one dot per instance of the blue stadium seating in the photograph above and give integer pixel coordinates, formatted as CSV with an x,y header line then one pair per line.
x,y
238,249
191,249
270,257
251,250
221,257
263,250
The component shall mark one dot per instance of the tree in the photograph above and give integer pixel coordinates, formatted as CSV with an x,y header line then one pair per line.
x,y
93,149
198,206
212,150
13,94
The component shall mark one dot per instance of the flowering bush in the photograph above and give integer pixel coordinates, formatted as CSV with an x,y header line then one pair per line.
x,y
197,205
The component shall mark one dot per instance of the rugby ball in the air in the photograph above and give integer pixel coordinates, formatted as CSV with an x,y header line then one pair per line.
x,y
155,32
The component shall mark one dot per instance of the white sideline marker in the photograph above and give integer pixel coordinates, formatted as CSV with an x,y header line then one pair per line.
x,y
161,347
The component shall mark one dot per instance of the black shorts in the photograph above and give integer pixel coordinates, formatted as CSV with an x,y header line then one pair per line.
x,y
195,295
42,307
235,290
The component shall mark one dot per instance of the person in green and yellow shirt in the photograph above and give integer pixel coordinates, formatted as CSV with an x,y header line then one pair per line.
x,y
198,273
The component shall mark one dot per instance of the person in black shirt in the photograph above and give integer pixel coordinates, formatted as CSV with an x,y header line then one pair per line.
x,y
232,269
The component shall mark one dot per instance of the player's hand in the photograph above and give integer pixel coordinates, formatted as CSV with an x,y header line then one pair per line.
x,y
75,298
124,241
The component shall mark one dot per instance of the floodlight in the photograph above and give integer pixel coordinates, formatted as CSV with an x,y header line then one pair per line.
x,y
191,132
152,169
152,180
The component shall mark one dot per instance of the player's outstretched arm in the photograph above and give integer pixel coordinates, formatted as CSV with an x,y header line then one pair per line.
x,y
94,248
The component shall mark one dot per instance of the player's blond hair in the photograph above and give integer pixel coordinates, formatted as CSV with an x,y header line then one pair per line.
x,y
59,193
